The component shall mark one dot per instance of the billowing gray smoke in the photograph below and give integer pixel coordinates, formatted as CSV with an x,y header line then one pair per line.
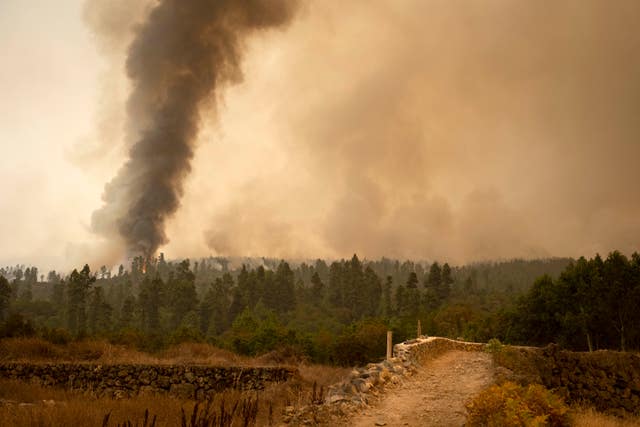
x,y
183,54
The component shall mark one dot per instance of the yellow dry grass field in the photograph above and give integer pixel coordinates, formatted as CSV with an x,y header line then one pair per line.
x,y
24,404
36,350
589,417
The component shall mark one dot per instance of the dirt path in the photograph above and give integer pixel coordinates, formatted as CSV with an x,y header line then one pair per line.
x,y
435,396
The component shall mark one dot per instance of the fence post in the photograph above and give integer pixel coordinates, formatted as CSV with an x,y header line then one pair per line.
x,y
419,329
389,344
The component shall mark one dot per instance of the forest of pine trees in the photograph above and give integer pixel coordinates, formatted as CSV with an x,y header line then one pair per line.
x,y
335,312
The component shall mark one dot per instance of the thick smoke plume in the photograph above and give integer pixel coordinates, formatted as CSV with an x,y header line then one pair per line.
x,y
180,58
438,129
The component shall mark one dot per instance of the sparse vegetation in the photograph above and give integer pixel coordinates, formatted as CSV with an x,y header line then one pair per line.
x,y
511,405
36,406
589,417
23,404
494,346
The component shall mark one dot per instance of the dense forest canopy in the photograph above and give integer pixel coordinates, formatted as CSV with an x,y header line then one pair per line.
x,y
331,312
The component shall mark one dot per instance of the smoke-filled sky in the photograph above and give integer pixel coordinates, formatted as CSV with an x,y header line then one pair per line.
x,y
427,129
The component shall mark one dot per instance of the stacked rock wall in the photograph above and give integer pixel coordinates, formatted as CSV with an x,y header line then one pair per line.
x,y
421,350
609,380
368,381
127,380
606,379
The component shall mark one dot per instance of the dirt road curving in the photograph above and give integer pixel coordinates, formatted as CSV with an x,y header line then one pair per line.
x,y
435,396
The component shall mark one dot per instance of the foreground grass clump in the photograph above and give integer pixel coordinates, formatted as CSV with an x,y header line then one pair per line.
x,y
510,404
589,417
229,408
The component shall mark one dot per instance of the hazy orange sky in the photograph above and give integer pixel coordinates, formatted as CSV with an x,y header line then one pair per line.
x,y
428,129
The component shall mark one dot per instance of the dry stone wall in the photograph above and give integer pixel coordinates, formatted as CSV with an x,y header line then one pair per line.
x,y
407,357
609,380
194,382
421,350
366,382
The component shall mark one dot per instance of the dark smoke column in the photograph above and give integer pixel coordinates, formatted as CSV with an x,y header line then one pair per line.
x,y
181,57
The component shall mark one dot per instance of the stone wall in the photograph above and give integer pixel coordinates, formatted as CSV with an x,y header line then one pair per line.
x,y
407,357
366,382
421,350
127,380
609,380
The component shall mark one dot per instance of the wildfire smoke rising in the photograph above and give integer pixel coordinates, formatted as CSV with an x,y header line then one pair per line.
x,y
180,58
436,129
415,129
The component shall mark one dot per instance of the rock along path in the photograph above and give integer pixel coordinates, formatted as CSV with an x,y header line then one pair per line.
x,y
435,396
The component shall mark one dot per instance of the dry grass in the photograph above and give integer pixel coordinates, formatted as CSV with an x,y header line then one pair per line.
x,y
31,404
57,407
78,409
323,375
589,417
205,354
51,407
36,350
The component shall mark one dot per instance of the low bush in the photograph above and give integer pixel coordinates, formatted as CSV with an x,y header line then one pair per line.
x,y
56,335
510,404
522,364
361,343
494,346
16,326
28,349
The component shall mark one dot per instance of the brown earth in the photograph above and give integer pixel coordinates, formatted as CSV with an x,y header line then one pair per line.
x,y
435,396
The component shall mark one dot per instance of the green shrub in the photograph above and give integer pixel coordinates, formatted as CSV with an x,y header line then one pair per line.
x,y
361,343
185,335
510,405
56,336
17,326
128,337
494,346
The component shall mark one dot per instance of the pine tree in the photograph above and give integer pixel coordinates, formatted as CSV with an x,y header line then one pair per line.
x,y
219,319
434,279
182,291
237,301
412,305
433,296
372,292
283,288
5,297
447,281
77,291
99,313
127,312
386,309
335,288
150,299
354,287
401,301
317,289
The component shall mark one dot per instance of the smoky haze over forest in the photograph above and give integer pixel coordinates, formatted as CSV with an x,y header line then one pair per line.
x,y
421,129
